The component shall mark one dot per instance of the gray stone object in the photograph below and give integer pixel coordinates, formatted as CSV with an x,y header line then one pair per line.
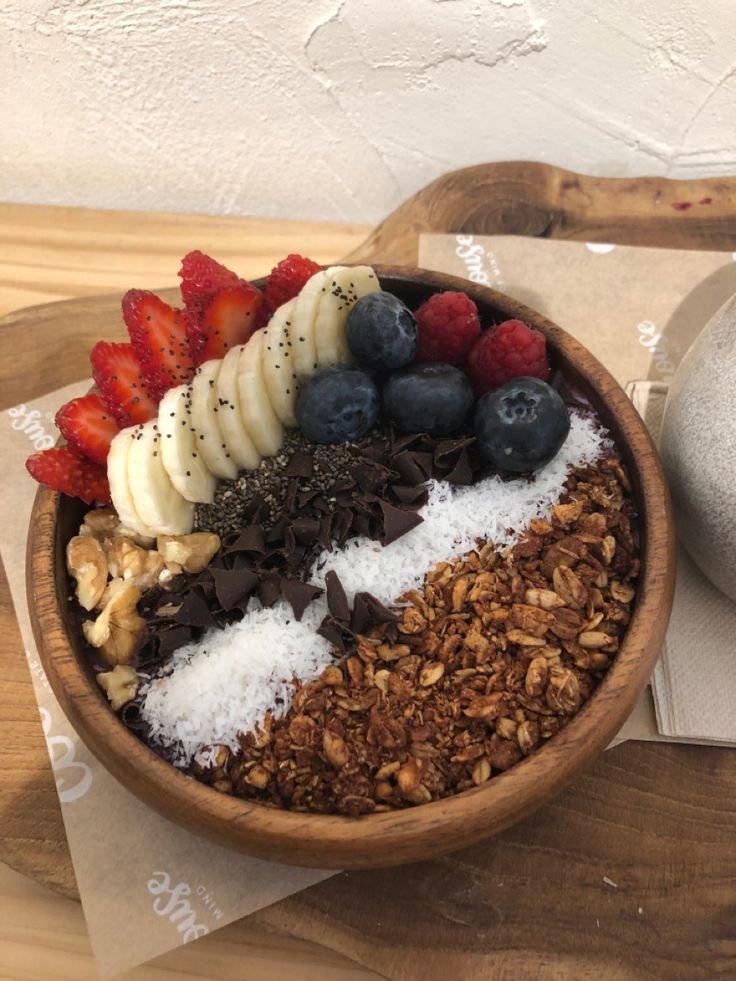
x,y
698,448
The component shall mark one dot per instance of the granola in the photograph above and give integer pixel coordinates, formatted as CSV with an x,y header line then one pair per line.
x,y
489,660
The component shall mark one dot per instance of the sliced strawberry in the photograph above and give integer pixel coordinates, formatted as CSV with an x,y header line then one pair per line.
x,y
89,426
286,279
65,469
202,277
118,377
229,319
158,336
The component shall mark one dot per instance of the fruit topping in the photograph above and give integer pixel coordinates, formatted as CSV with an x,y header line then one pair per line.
x,y
118,377
89,426
287,279
157,334
337,404
202,277
381,332
64,469
222,309
521,425
342,287
448,327
428,398
509,350
229,320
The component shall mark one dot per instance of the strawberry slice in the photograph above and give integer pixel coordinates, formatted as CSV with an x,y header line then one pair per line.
x,y
157,334
202,277
287,278
89,426
65,469
222,309
118,377
229,319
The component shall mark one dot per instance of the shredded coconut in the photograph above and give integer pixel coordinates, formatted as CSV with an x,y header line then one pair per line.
x,y
455,517
225,683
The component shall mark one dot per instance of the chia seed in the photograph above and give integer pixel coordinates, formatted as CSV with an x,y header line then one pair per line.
x,y
226,513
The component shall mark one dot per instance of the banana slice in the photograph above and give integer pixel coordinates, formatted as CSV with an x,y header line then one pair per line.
x,y
303,344
159,504
229,417
117,474
262,423
208,438
278,365
181,457
343,286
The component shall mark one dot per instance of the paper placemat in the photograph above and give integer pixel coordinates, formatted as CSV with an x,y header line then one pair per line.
x,y
146,884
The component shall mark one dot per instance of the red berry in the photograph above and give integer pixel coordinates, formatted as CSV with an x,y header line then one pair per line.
x,y
157,333
118,377
222,309
65,469
89,426
286,279
448,327
229,319
509,350
202,277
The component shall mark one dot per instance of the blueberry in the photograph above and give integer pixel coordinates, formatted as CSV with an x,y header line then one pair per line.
x,y
381,332
428,398
521,425
337,404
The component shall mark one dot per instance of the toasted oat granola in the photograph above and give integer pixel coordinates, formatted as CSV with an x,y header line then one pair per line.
x,y
489,660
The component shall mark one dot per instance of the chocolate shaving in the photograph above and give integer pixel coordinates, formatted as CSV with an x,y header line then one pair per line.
x,y
300,465
233,585
408,468
337,601
416,495
299,594
462,472
306,530
396,522
172,638
269,590
249,540
194,612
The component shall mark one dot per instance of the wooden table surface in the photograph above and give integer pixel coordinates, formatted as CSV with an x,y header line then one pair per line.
x,y
631,873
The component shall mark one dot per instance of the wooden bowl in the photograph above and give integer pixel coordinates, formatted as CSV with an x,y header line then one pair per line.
x,y
420,832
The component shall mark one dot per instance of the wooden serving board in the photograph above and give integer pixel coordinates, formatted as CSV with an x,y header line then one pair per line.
x,y
632,872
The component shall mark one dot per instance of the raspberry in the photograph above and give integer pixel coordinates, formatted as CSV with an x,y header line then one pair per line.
x,y
509,350
448,327
286,280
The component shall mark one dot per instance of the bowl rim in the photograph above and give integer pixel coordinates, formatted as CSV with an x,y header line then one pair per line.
x,y
393,837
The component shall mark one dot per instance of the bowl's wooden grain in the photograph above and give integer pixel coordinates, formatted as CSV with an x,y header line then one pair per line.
x,y
417,833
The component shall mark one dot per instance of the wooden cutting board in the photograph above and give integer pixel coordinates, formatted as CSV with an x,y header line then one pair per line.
x,y
631,872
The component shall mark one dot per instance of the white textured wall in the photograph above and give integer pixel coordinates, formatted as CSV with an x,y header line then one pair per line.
x,y
339,109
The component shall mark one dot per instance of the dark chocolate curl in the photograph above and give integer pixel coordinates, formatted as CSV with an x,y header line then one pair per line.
x,y
269,591
337,601
233,585
299,594
194,612
300,465
249,540
396,522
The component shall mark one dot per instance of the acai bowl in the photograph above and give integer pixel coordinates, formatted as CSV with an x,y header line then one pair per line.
x,y
366,646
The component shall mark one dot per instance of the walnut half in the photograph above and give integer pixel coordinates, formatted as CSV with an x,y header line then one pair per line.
x,y
120,684
87,564
190,553
117,629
